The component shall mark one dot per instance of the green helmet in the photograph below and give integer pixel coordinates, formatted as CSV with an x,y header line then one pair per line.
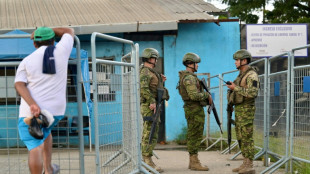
x,y
43,33
150,53
242,54
191,57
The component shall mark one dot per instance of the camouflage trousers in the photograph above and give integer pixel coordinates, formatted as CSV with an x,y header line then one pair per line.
x,y
195,117
147,149
244,118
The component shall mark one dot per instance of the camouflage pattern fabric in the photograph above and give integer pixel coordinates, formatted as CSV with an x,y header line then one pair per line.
x,y
148,91
195,118
244,112
244,118
194,112
146,148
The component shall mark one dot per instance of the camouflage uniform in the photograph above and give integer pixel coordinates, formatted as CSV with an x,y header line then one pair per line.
x,y
195,98
193,107
148,84
244,94
150,81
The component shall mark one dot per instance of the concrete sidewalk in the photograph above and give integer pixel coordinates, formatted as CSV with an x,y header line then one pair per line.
x,y
174,160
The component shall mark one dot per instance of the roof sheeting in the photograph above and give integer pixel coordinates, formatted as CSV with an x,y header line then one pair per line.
x,y
106,16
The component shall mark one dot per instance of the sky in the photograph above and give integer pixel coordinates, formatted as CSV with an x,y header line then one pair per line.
x,y
218,4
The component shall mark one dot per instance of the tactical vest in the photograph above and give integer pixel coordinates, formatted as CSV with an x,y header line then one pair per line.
x,y
181,86
158,83
236,98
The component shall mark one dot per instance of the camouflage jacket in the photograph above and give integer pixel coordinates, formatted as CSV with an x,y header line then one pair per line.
x,y
190,88
247,85
148,85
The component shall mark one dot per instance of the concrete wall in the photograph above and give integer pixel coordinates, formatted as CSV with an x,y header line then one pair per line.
x,y
214,44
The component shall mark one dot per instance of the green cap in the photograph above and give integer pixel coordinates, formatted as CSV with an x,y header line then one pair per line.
x,y
43,33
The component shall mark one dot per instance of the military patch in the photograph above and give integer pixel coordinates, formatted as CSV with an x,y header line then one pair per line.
x,y
255,83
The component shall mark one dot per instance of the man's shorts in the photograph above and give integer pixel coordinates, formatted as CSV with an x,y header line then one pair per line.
x,y
29,140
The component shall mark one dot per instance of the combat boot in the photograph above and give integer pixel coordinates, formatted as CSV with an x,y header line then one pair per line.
x,y
194,163
248,167
148,160
240,167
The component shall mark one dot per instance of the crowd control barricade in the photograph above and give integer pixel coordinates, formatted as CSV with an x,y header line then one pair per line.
x,y
282,117
116,97
68,152
300,115
213,133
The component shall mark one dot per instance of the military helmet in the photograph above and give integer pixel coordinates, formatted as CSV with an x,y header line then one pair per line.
x,y
242,54
150,53
191,57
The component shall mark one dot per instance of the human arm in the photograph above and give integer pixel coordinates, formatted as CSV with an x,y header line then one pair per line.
x,y
59,32
23,91
145,91
190,83
252,85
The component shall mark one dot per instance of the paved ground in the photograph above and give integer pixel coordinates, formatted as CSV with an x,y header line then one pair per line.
x,y
175,161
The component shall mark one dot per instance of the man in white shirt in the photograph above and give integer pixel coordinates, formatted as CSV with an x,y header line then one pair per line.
x,y
41,80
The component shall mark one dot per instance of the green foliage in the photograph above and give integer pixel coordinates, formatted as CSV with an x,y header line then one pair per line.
x,y
303,20
244,9
181,138
289,11
292,11
223,17
301,167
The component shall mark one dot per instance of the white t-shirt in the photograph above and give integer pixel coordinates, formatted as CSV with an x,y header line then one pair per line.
x,y
48,90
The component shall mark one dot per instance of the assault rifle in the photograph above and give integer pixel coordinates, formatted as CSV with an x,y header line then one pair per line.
x,y
156,115
212,106
230,121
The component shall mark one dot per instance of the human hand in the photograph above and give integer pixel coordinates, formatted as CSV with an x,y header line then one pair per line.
x,y
153,107
210,100
163,77
32,35
231,86
35,110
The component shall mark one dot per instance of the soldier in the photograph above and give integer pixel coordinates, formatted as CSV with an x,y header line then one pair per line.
x,y
195,98
150,81
243,92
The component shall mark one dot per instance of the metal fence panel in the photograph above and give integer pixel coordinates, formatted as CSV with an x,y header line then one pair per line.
x,y
66,146
301,117
116,112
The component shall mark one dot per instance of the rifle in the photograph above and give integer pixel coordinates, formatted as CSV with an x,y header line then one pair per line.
x,y
230,121
212,106
156,115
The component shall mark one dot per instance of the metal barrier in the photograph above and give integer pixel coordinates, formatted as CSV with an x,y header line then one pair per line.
x,y
116,111
282,117
68,151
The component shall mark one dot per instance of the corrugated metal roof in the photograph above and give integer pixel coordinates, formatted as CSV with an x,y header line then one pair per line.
x,y
105,16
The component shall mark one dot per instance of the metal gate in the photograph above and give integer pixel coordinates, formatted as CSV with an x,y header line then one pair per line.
x,y
68,149
116,110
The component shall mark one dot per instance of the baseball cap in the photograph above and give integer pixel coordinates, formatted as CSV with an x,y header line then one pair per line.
x,y
43,33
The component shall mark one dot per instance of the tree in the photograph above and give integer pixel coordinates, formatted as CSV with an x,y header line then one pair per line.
x,y
290,11
285,11
244,9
